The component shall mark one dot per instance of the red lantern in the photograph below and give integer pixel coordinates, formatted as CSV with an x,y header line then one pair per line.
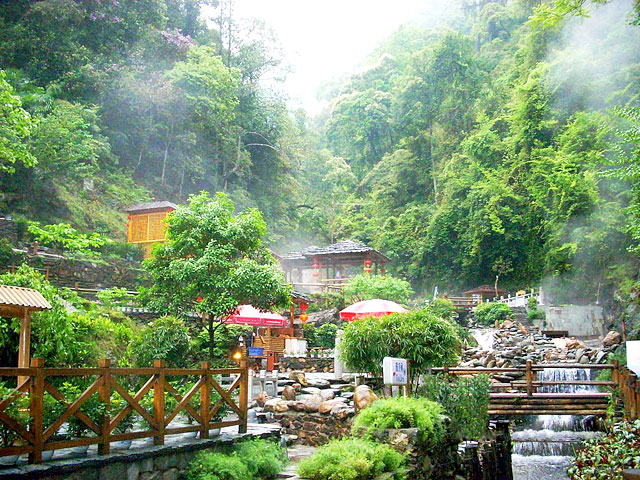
x,y
316,267
303,307
200,299
367,264
304,317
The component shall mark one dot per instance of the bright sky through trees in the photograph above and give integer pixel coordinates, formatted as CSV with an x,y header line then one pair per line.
x,y
324,39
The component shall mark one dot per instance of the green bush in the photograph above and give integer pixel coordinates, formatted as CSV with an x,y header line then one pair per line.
x,y
353,459
264,459
165,338
64,237
326,301
489,313
323,336
419,336
465,402
536,315
7,255
606,457
217,466
401,412
125,250
368,287
442,308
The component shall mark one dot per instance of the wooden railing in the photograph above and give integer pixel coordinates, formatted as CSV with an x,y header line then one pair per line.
x,y
628,388
201,399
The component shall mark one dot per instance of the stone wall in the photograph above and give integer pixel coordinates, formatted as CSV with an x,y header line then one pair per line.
x,y
313,428
578,320
166,462
306,364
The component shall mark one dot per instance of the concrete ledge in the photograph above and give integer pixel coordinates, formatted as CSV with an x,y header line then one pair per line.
x,y
153,460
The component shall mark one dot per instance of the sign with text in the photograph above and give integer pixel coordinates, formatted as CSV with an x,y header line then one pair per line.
x,y
633,356
395,371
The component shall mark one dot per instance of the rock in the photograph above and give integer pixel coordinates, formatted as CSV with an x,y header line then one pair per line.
x,y
579,353
262,398
601,356
584,359
297,406
276,405
343,413
311,390
289,393
327,394
299,377
522,330
574,343
612,338
363,397
297,386
312,404
329,405
319,383
507,324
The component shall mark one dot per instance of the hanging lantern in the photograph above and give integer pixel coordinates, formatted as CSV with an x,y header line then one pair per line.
x,y
303,316
316,267
367,264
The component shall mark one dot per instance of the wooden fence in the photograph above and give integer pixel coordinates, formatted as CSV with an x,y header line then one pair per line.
x,y
628,388
201,400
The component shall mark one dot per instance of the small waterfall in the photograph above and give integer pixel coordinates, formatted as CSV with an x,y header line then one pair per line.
x,y
544,444
484,337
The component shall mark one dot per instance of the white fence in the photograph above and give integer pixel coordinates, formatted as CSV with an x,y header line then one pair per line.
x,y
522,297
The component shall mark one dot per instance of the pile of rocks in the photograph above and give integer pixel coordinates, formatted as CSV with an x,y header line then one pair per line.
x,y
515,344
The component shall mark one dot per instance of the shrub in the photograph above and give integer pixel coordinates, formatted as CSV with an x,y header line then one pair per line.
x,y
367,287
264,459
401,412
419,336
608,456
442,308
7,255
325,301
217,466
465,402
489,313
64,237
353,459
536,315
323,336
165,338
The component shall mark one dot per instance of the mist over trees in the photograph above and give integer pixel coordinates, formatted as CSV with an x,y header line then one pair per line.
x,y
485,144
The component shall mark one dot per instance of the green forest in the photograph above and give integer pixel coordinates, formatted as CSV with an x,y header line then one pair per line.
x,y
501,143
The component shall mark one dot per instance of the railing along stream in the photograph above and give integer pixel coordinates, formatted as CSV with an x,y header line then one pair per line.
x,y
40,406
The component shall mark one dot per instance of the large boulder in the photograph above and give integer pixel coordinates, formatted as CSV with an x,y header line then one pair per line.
x,y
612,338
289,393
262,398
327,394
312,404
299,377
363,397
329,405
276,405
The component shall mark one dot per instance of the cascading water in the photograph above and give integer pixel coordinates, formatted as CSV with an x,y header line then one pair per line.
x,y
544,444
484,337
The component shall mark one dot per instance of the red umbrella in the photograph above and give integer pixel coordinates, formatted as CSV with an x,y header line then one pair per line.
x,y
249,315
371,308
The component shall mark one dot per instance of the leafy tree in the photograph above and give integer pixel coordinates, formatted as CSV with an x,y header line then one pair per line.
x,y
66,238
212,262
165,338
15,128
419,336
386,287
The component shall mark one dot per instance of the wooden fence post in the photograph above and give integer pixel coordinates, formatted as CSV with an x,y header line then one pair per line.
x,y
633,405
244,391
205,400
104,395
158,401
529,379
36,394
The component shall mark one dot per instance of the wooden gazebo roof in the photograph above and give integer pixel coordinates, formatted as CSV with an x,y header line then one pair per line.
x,y
344,252
14,300
151,207
485,290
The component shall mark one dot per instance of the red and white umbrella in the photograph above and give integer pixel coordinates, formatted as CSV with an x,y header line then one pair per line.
x,y
371,308
249,315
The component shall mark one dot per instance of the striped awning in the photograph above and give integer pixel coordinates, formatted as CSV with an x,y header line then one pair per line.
x,y
28,298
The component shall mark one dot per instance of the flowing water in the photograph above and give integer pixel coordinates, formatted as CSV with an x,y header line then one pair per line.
x,y
543,445
484,337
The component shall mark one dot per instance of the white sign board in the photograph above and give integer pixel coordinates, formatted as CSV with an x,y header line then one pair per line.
x,y
633,356
395,371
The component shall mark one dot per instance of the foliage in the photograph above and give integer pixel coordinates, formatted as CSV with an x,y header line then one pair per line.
x,y
419,336
15,128
217,466
401,412
353,459
64,237
17,410
212,262
464,400
93,407
325,301
114,297
442,308
264,459
386,287
165,338
606,457
489,312
323,336
7,255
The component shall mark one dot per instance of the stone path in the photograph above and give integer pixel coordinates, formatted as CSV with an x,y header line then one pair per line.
x,y
296,453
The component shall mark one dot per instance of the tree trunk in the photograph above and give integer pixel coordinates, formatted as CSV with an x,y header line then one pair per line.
x,y
212,333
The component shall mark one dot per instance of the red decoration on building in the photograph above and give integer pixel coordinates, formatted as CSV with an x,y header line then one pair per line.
x,y
316,267
367,264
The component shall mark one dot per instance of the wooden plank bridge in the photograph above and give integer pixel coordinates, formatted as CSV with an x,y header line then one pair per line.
x,y
520,396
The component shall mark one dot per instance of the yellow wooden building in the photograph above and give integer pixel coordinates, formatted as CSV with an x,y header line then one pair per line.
x,y
147,225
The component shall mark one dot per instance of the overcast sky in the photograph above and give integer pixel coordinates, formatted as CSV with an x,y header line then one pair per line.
x,y
323,39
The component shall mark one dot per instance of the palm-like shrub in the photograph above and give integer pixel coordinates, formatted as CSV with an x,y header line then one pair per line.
x,y
489,313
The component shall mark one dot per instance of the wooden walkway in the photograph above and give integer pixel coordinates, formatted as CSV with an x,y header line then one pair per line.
x,y
520,395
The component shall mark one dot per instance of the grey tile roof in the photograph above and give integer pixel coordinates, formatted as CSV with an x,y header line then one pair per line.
x,y
347,246
151,206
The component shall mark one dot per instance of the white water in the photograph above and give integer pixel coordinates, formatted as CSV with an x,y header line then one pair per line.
x,y
544,446
484,337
